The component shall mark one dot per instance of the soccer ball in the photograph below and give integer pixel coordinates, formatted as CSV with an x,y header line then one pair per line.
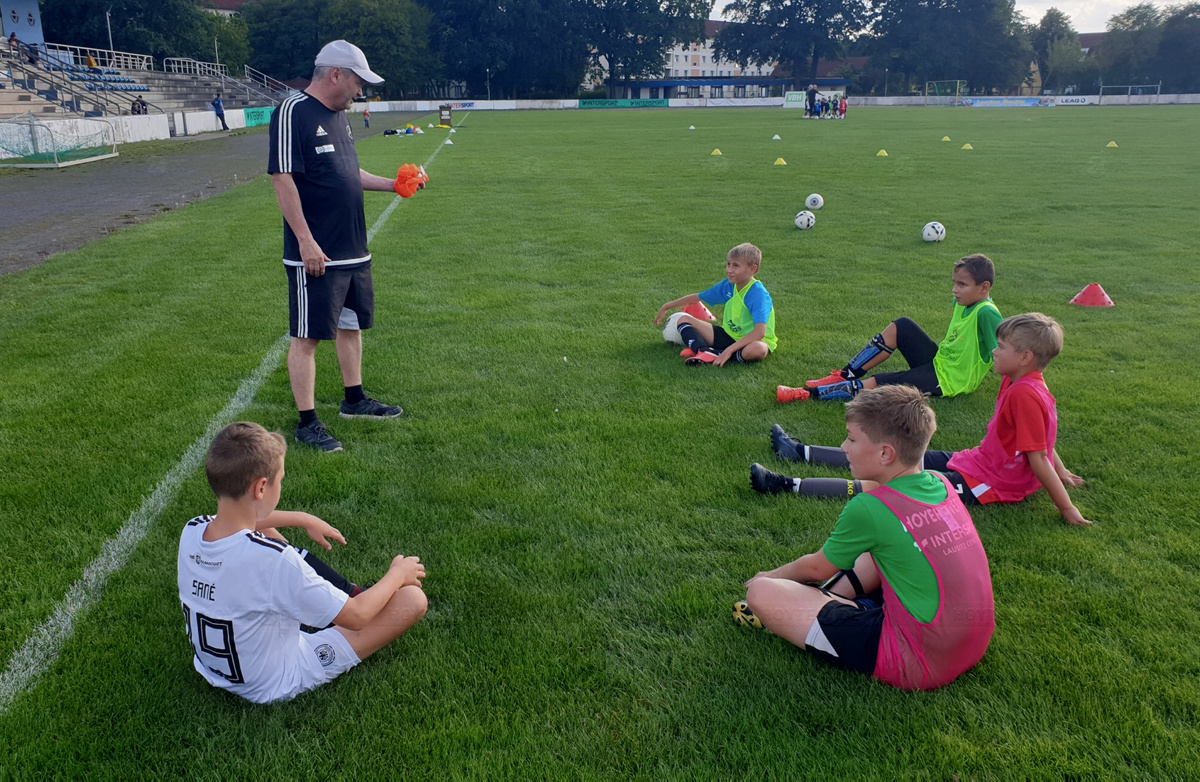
x,y
805,220
671,329
933,232
814,201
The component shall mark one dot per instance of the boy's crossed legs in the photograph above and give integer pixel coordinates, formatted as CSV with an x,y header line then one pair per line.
x,y
702,337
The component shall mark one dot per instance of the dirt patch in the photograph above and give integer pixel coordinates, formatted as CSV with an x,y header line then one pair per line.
x,y
47,211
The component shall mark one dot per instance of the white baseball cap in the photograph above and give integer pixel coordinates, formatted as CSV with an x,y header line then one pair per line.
x,y
343,54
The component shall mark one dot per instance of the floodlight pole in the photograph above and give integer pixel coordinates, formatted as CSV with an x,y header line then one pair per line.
x,y
489,82
108,23
885,82
216,50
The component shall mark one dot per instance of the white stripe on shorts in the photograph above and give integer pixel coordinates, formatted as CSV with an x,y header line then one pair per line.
x,y
301,304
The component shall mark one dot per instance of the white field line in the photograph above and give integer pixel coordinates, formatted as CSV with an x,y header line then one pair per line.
x,y
41,649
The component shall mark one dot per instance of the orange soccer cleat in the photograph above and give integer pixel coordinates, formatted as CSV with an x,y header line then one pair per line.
x,y
836,376
785,394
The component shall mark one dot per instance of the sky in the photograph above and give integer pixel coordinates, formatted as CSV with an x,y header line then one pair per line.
x,y
1087,16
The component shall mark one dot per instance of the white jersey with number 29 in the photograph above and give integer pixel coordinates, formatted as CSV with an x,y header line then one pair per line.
x,y
244,599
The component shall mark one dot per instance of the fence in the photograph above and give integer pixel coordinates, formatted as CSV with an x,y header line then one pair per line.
x,y
188,65
105,58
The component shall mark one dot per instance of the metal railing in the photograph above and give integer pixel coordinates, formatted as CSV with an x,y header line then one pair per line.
x,y
195,67
69,95
104,58
273,85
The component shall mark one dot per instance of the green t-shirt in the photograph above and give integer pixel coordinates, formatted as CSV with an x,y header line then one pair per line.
x,y
866,525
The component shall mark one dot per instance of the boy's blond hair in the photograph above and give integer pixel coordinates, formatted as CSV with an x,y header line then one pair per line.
x,y
980,267
898,415
240,454
1039,334
748,253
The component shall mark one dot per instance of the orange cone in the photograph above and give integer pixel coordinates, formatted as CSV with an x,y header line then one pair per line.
x,y
699,311
1092,296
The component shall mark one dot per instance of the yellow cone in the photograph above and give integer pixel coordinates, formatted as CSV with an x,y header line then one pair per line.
x,y
716,151
945,138
1111,145
967,146
780,161
881,153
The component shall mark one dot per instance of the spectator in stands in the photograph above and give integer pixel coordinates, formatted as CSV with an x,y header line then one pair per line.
x,y
14,45
91,63
32,53
219,108
142,107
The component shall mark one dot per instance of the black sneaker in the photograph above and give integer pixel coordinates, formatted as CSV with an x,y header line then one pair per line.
x,y
787,448
766,482
316,435
369,408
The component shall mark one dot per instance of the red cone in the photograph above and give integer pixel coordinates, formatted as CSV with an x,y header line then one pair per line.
x,y
1092,296
699,311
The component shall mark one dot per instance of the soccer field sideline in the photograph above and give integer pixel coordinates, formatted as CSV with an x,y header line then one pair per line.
x,y
41,649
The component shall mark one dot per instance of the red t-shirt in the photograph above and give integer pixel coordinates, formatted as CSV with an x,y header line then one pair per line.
x,y
1025,421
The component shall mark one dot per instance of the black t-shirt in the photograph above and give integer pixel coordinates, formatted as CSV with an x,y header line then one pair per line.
x,y
315,146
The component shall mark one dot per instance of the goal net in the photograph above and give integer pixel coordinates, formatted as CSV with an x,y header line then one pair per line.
x,y
27,142
948,92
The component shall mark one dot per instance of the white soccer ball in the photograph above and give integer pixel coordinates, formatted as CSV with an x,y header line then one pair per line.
x,y
671,329
805,220
933,232
814,201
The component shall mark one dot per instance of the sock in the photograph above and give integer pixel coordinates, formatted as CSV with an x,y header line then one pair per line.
x,y
327,573
831,488
308,417
838,392
691,337
738,357
870,350
354,394
826,456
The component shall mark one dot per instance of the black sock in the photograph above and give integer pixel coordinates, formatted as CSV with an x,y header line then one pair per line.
x,y
308,417
691,337
354,394
329,574
826,456
738,357
832,488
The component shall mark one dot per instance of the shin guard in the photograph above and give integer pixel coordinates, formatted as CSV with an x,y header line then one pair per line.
x,y
327,573
837,392
871,350
691,337
830,488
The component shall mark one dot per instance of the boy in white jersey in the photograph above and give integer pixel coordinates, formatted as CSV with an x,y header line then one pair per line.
x,y
246,592
747,330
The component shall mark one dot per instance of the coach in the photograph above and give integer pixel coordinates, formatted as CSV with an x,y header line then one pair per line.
x,y
319,186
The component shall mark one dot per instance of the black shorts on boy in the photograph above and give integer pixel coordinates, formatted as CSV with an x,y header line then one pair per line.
x,y
918,350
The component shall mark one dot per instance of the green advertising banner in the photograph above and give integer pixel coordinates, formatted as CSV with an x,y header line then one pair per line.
x,y
637,103
260,116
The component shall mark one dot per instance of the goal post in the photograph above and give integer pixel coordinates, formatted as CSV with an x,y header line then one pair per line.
x,y
27,142
945,92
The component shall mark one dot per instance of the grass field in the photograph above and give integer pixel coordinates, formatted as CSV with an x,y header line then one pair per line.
x,y
580,498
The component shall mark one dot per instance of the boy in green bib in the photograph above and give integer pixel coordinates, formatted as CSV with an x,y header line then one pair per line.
x,y
955,366
747,329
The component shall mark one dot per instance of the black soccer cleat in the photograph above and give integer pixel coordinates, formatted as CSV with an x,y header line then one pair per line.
x,y
766,482
786,447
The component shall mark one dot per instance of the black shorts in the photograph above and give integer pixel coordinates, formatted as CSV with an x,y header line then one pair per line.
x,y
853,633
721,338
341,298
918,350
938,461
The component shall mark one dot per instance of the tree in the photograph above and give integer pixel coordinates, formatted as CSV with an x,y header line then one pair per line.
x,y
1128,52
285,35
161,28
394,34
1065,65
1178,59
522,48
1054,26
796,33
633,36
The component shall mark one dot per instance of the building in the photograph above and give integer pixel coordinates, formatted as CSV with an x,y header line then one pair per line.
x,y
223,7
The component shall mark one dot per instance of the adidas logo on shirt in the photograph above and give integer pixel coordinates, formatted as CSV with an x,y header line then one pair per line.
x,y
321,131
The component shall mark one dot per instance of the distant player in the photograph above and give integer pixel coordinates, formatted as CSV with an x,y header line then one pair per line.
x,y
747,330
247,593
956,366
901,588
